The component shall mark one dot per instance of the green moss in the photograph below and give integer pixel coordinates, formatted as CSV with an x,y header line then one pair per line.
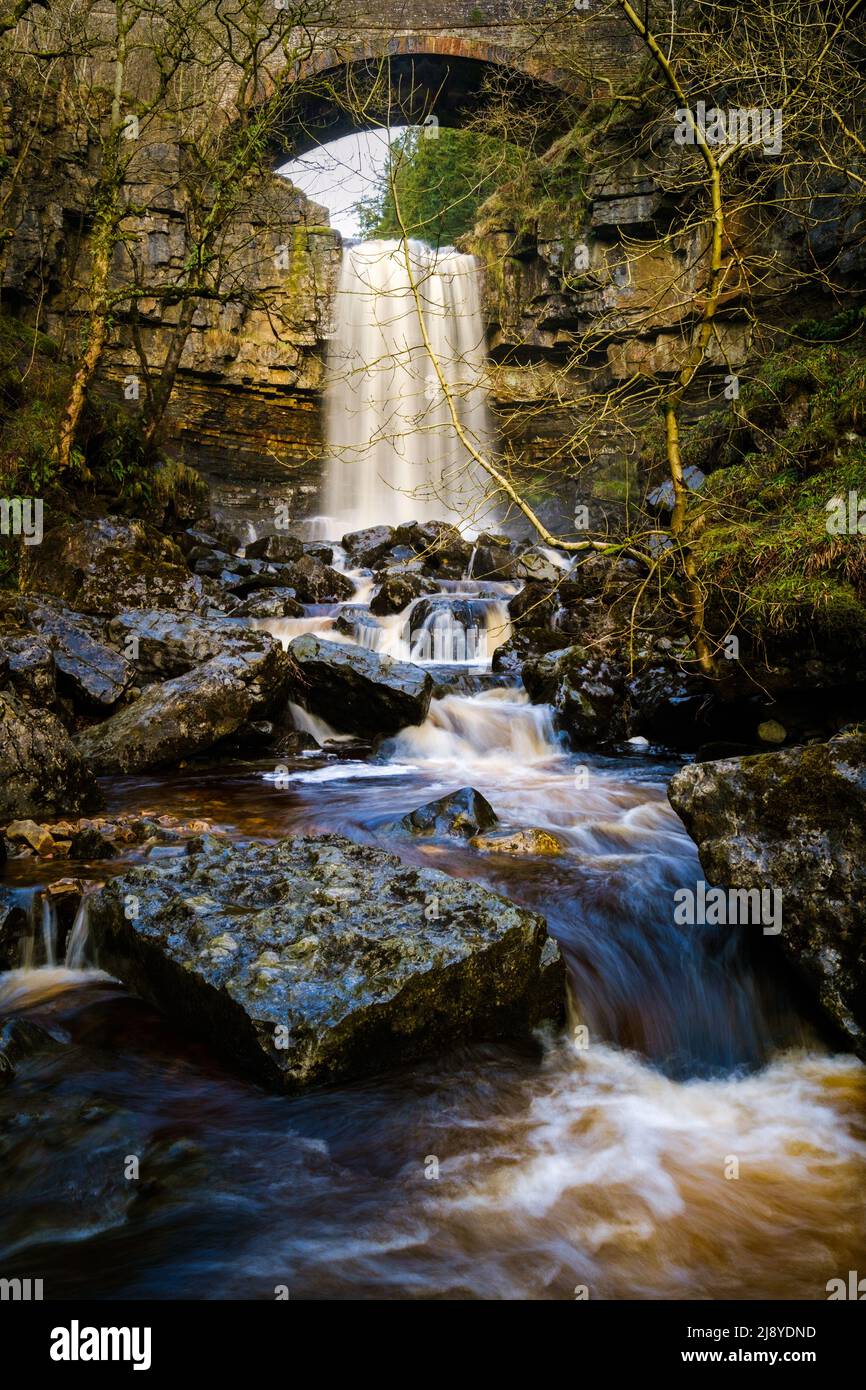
x,y
759,526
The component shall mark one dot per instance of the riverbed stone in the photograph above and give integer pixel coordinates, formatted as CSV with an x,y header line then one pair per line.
x,y
794,820
358,691
316,960
463,813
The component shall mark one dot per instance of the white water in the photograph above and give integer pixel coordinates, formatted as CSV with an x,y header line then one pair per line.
x,y
394,454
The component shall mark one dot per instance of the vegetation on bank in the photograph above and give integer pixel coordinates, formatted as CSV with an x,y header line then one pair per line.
x,y
111,467
794,441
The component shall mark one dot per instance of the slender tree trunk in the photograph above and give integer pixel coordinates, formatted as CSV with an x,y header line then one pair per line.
x,y
97,334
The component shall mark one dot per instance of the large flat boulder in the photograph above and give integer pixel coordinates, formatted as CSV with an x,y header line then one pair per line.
x,y
317,960
42,773
166,644
358,691
189,714
794,820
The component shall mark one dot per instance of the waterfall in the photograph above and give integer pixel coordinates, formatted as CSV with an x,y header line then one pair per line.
x,y
393,453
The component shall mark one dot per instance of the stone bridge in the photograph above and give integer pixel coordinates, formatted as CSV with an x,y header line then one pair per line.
x,y
432,58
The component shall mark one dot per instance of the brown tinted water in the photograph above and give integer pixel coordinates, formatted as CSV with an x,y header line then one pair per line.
x,y
706,1143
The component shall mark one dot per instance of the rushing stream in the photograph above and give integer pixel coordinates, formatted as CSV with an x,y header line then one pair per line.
x,y
691,1134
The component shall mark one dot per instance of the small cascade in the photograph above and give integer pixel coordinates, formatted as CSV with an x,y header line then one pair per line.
x,y
43,933
76,945
496,726
453,630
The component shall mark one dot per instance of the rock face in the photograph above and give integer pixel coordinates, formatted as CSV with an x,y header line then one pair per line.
x,y
189,714
41,771
317,960
358,691
465,813
794,820
101,566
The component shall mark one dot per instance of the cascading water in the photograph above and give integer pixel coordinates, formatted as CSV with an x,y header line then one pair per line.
x,y
394,454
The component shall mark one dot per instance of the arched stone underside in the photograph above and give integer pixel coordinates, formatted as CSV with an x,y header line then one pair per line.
x,y
429,79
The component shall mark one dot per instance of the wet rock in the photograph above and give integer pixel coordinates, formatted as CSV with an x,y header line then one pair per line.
x,y
352,619
527,645
319,551
439,544
314,582
464,813
365,548
41,771
358,691
32,834
27,664
587,692
493,557
169,644
91,844
13,926
100,566
19,1039
189,714
535,563
534,606
794,820
313,961
275,603
93,674
282,548
397,589
518,842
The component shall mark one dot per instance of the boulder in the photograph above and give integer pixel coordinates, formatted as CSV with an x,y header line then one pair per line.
x,y
101,566
534,606
282,548
169,644
27,664
794,820
439,544
527,645
314,582
518,842
92,673
463,813
365,547
536,563
320,551
314,961
275,603
397,589
189,714
356,690
41,771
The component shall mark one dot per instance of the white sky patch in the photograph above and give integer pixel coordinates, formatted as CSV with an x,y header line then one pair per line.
x,y
338,175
